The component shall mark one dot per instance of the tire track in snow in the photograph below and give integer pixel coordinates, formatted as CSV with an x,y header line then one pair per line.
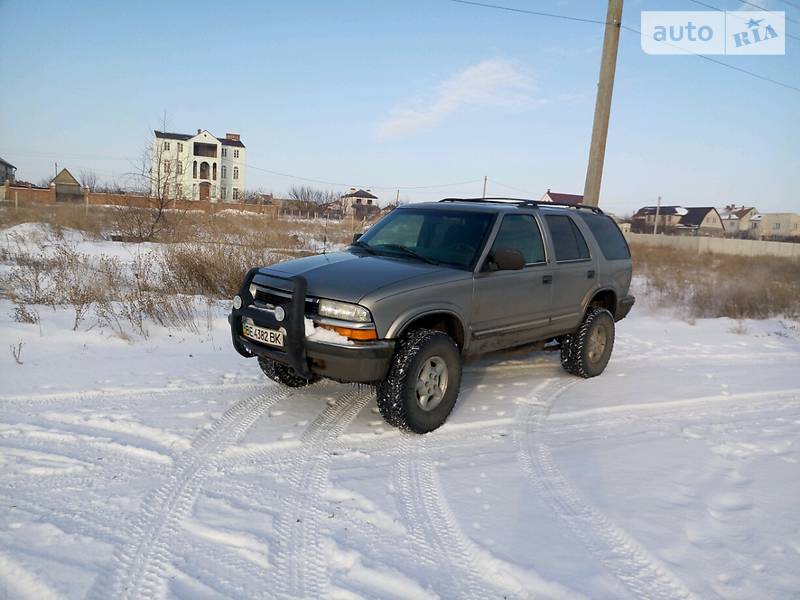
x,y
442,548
138,567
300,563
644,575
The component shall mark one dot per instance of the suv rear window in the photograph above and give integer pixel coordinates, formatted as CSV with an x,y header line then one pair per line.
x,y
520,232
608,236
568,241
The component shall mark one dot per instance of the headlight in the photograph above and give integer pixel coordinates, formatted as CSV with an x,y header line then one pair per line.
x,y
237,302
343,311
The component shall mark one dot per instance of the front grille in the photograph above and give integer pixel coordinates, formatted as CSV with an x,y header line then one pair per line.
x,y
272,297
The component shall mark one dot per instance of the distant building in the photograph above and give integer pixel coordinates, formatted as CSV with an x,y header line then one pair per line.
x,y
7,171
562,198
738,222
359,203
679,220
68,189
198,166
777,225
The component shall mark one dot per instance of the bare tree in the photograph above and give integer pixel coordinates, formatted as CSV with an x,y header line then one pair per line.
x,y
257,196
313,199
153,189
89,179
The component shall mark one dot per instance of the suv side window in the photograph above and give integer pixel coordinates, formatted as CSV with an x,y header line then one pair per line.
x,y
521,232
608,236
567,239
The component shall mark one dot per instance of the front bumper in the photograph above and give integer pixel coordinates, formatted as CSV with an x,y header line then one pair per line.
x,y
624,306
359,362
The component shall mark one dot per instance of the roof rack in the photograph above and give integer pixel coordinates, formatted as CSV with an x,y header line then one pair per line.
x,y
524,203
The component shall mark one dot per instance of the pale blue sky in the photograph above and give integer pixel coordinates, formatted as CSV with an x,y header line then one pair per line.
x,y
412,93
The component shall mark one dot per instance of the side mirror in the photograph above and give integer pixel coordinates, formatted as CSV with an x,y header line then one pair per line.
x,y
356,237
508,259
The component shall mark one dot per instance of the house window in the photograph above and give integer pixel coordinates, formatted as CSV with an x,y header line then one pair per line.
x,y
194,191
180,147
224,172
235,154
776,226
235,193
166,145
214,172
223,190
224,153
194,169
236,172
165,166
179,191
180,168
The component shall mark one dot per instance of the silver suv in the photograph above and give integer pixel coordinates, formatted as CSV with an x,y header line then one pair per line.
x,y
430,284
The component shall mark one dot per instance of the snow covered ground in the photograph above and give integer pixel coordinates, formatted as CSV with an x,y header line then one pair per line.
x,y
169,467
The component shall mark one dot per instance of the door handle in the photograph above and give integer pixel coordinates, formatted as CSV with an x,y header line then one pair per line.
x,y
547,279
590,274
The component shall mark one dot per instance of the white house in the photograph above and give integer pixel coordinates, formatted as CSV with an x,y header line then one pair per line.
x,y
199,166
359,203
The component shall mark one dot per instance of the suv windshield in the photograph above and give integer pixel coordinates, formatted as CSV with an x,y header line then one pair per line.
x,y
442,237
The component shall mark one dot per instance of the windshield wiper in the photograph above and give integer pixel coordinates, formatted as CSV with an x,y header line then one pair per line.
x,y
410,252
363,246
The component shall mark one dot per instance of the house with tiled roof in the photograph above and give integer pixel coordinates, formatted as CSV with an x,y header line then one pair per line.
x,y
739,221
561,198
198,166
359,203
678,220
7,171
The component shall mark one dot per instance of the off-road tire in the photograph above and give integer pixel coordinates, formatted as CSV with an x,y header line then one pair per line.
x,y
283,374
575,356
396,394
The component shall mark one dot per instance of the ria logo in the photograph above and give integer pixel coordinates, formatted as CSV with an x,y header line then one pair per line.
x,y
756,33
713,32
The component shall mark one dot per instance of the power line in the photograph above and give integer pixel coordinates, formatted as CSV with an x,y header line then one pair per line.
x,y
754,5
530,12
724,64
792,4
511,187
711,6
376,187
633,30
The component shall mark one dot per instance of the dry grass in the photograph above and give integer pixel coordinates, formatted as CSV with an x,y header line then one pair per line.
x,y
716,285
200,254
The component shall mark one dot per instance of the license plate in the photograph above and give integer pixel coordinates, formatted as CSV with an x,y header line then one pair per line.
x,y
271,337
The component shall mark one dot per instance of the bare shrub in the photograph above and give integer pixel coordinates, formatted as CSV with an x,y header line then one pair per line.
x,y
715,285
16,351
25,314
214,270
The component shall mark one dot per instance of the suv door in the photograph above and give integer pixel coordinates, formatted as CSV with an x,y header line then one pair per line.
x,y
512,307
575,272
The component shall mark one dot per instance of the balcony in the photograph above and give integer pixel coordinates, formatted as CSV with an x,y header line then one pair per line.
x,y
209,150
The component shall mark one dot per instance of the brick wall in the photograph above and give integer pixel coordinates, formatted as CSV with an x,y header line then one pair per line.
x,y
31,195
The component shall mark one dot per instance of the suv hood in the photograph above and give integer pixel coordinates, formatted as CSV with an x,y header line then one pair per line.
x,y
348,276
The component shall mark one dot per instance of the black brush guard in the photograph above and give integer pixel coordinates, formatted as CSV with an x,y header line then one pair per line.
x,y
294,352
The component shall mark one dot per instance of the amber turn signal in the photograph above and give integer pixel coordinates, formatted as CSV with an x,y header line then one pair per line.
x,y
354,334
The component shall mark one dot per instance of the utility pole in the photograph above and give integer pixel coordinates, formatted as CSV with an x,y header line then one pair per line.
x,y
485,179
658,210
602,107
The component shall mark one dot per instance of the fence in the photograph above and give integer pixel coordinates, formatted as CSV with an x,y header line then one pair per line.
x,y
21,196
718,245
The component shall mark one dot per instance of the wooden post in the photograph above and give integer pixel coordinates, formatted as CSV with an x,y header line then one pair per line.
x,y
602,107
